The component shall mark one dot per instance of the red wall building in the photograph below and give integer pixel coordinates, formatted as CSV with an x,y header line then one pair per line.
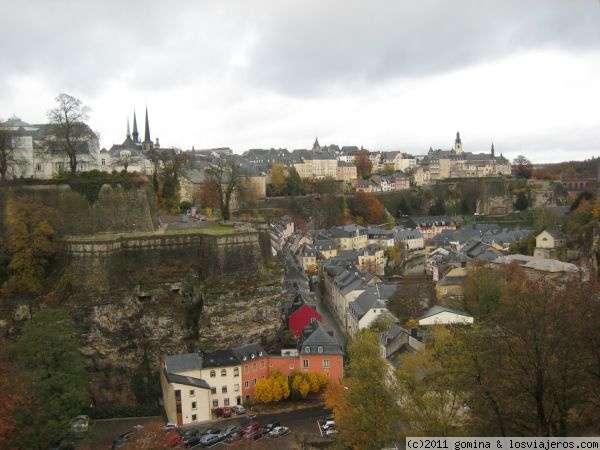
x,y
301,317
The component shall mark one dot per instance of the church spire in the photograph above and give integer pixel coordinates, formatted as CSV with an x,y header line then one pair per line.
x,y
135,133
316,145
147,130
128,132
493,151
458,144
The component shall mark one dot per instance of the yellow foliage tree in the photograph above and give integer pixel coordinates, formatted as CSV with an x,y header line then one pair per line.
x,y
272,389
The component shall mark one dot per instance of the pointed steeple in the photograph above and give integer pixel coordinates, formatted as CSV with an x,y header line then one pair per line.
x,y
458,144
128,132
457,141
135,134
316,145
147,130
493,152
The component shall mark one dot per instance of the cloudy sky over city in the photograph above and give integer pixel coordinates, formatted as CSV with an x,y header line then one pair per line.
x,y
387,75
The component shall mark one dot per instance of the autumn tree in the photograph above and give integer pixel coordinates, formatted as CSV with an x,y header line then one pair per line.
x,y
522,167
482,289
366,206
304,383
274,388
47,351
11,160
227,175
430,406
366,407
363,164
278,179
16,402
31,242
68,127
531,367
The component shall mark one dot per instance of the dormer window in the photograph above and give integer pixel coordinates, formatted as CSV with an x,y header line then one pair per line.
x,y
252,356
307,349
245,358
259,353
320,349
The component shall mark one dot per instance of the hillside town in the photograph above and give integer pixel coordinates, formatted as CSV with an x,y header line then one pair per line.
x,y
299,225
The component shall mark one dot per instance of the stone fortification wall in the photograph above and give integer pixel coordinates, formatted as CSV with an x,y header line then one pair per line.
x,y
106,263
116,210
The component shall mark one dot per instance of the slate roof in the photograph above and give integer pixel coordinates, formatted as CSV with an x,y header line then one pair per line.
x,y
219,358
185,380
387,336
318,337
347,231
183,362
429,221
405,234
249,352
373,297
324,244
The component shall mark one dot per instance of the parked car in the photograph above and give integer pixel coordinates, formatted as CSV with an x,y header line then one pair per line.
x,y
121,439
331,432
234,437
271,426
191,437
255,434
170,426
230,430
329,424
224,411
252,427
210,439
238,409
211,431
278,431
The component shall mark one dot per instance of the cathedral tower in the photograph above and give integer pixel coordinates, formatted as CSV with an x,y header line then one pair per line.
x,y
458,144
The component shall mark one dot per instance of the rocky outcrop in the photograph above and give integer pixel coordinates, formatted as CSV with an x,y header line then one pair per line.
x,y
120,333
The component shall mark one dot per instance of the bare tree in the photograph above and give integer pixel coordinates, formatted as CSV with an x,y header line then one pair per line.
x,y
228,176
11,160
126,159
68,127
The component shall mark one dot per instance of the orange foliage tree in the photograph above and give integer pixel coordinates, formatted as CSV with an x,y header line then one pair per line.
x,y
363,164
365,206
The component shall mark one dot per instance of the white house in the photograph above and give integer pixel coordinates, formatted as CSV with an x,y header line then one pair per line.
x,y
368,307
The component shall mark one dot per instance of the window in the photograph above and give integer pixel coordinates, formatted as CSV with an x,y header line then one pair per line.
x,y
291,367
224,389
254,381
262,364
213,390
103,162
246,369
215,403
194,405
194,417
236,387
320,349
307,349
213,374
254,366
226,402
305,363
326,363
246,384
38,167
223,372
236,372
192,392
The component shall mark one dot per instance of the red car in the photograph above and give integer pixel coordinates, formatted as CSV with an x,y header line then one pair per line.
x,y
224,411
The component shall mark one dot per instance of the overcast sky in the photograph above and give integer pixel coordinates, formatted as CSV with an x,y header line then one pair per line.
x,y
387,75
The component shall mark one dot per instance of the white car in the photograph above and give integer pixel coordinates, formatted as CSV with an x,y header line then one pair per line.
x,y
331,432
170,426
328,425
278,431
238,409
